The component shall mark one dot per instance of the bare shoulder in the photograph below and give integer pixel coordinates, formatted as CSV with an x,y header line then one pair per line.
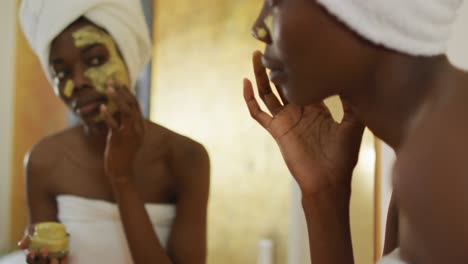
x,y
430,179
187,160
45,154
440,138
41,165
179,148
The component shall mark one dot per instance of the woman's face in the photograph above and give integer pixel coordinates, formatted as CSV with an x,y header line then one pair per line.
x,y
83,58
310,54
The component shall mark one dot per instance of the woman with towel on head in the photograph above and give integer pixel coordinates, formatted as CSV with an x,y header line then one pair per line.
x,y
386,60
99,177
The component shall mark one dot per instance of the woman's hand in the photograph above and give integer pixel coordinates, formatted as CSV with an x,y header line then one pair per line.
x,y
41,256
126,131
319,152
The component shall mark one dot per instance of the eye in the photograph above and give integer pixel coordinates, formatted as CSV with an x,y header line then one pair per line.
x,y
272,3
269,22
61,74
96,61
268,15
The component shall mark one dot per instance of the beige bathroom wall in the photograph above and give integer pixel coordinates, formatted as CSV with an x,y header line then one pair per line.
x,y
37,112
7,65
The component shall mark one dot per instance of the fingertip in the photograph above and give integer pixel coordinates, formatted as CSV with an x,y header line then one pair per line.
x,y
44,252
23,243
110,90
256,58
247,89
103,108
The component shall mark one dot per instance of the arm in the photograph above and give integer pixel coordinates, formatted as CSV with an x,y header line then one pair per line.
x,y
187,242
41,201
141,237
124,139
321,155
40,197
328,226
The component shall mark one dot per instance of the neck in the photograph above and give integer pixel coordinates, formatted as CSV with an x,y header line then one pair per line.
x,y
398,89
96,135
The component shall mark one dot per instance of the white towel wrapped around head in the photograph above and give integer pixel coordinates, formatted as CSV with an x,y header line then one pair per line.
x,y
43,20
415,27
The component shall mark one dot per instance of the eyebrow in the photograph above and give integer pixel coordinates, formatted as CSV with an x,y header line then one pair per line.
x,y
90,47
83,51
57,61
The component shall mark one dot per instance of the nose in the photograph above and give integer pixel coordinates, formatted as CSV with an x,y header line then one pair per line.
x,y
80,79
259,29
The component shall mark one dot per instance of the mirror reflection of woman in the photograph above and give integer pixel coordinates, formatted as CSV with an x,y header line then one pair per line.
x,y
386,60
127,190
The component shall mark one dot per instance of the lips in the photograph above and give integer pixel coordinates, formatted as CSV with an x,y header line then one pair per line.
x,y
277,73
89,106
277,77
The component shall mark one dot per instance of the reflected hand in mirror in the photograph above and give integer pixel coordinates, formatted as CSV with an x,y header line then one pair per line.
x,y
41,256
125,134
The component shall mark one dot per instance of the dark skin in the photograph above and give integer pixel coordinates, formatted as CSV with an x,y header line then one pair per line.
x,y
123,159
412,103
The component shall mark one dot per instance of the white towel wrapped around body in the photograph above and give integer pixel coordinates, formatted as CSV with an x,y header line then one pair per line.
x,y
43,20
415,27
96,231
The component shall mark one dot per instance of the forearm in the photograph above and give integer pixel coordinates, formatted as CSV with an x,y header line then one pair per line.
x,y
142,240
327,216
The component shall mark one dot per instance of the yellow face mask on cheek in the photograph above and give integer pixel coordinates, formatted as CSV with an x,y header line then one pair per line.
x,y
114,69
69,87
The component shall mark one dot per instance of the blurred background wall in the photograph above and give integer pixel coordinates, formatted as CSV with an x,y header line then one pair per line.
x,y
36,112
7,58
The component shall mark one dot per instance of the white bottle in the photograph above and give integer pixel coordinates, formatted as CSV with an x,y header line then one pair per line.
x,y
265,251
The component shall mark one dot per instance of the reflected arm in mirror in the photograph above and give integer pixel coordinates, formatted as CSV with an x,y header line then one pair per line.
x,y
188,240
41,201
188,163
